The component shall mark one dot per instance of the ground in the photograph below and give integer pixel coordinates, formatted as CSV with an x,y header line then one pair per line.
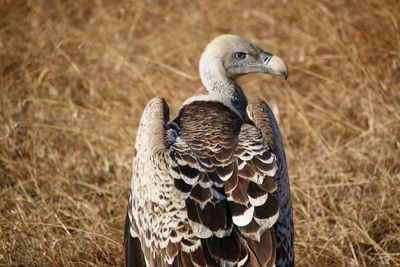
x,y
75,76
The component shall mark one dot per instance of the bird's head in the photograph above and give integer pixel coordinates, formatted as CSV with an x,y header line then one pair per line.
x,y
232,56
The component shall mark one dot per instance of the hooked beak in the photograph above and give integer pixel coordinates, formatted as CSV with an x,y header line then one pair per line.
x,y
274,65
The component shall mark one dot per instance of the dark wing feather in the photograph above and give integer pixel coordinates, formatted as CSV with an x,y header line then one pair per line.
x,y
133,251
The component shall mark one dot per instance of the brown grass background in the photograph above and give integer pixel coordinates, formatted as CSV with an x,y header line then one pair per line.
x,y
75,76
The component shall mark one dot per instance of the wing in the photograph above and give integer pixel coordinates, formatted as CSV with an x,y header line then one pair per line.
x,y
150,205
263,117
224,169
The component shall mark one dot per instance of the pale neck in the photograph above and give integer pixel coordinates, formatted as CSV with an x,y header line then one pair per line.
x,y
216,80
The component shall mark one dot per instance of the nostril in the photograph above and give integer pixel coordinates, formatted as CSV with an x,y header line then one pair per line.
x,y
266,57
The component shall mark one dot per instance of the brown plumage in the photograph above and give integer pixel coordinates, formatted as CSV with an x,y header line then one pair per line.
x,y
210,188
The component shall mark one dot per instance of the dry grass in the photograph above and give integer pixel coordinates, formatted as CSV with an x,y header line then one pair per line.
x,y
75,76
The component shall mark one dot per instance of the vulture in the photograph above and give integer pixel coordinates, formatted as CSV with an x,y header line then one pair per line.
x,y
211,187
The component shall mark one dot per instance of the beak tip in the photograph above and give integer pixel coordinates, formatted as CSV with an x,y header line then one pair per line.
x,y
286,72
276,66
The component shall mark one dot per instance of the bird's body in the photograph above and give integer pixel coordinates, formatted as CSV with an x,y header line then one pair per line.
x,y
211,188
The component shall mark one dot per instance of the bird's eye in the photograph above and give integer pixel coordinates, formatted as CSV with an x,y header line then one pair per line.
x,y
240,55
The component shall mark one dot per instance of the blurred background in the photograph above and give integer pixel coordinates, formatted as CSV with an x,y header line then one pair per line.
x,y
76,75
